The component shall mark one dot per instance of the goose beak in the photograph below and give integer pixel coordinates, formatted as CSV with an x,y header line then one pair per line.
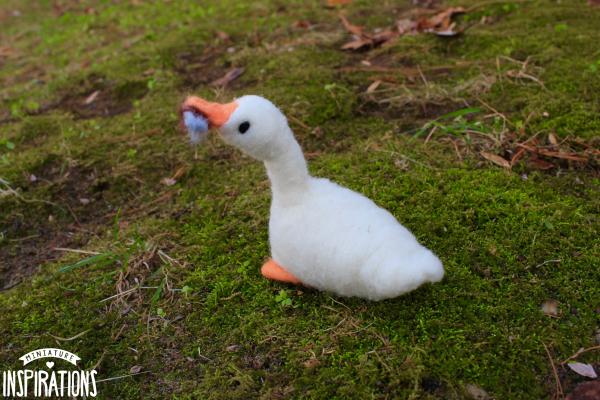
x,y
217,114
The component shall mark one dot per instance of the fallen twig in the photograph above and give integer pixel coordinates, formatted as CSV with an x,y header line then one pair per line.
x,y
559,389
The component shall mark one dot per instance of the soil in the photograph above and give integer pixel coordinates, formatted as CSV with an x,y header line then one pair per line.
x,y
204,68
101,97
77,207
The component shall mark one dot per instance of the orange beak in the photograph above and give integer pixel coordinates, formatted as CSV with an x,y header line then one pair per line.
x,y
217,114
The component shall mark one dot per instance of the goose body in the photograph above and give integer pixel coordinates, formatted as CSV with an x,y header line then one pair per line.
x,y
321,234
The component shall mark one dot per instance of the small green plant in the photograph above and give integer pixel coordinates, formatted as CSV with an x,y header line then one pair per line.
x,y
158,293
186,290
595,66
7,143
561,27
283,299
98,260
454,123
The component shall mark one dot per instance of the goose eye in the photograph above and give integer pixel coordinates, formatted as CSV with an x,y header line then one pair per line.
x,y
244,126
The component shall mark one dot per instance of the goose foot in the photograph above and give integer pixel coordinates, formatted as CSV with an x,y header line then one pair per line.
x,y
272,270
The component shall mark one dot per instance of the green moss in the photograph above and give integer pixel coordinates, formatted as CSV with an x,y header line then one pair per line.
x,y
216,329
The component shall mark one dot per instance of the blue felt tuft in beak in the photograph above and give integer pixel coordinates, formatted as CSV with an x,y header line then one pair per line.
x,y
196,125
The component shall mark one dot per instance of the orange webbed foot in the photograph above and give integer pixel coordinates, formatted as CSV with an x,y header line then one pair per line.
x,y
272,270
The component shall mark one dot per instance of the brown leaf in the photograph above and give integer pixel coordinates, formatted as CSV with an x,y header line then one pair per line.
x,y
312,363
354,29
361,39
541,164
440,21
562,155
552,139
517,156
6,51
440,24
373,86
554,154
496,159
230,76
357,44
179,173
384,36
302,24
594,3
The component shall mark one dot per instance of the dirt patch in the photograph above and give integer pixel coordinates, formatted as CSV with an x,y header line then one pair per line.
x,y
204,68
79,202
100,97
93,97
416,112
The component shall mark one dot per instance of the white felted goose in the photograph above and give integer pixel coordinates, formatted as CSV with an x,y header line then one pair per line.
x,y
322,235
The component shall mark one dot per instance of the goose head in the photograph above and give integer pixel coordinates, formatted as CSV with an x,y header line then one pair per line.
x,y
250,123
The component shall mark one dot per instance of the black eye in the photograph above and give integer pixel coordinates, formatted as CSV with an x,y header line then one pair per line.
x,y
244,126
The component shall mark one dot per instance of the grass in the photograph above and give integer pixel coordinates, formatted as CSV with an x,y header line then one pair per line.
x,y
169,280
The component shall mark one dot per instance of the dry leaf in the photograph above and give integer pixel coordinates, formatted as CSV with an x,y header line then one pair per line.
x,y
554,154
541,164
583,369
373,86
357,44
496,159
168,181
550,308
354,29
6,51
312,363
440,24
135,369
302,24
233,348
384,36
517,156
230,76
440,21
179,173
91,98
552,139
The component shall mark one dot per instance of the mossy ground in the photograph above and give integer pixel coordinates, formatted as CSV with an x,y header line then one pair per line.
x,y
207,325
